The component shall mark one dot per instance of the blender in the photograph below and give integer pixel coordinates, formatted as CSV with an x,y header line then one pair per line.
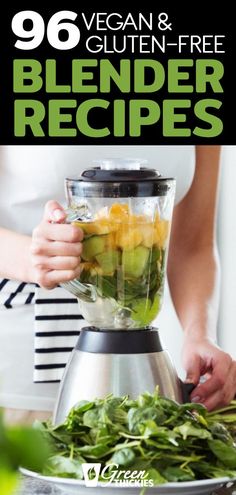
x,y
125,211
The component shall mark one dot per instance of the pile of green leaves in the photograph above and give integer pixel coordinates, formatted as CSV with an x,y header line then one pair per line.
x,y
172,442
19,446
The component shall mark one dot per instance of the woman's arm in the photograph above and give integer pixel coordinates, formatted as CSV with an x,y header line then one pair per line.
x,y
14,255
50,256
193,273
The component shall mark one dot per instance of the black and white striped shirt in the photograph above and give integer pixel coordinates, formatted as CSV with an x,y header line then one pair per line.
x,y
14,293
57,324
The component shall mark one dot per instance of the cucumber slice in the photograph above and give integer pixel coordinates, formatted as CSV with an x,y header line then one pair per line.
x,y
92,246
108,261
134,261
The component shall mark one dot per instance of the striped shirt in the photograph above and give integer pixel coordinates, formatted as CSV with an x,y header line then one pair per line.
x,y
57,324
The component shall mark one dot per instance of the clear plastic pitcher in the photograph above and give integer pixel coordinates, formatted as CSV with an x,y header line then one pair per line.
x,y
124,210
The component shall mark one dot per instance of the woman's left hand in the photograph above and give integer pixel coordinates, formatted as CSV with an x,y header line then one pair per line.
x,y
201,357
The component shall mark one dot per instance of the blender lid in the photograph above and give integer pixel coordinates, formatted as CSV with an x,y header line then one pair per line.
x,y
98,174
120,170
120,177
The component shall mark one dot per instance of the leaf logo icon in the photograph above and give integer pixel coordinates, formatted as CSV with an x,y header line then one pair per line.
x,y
91,473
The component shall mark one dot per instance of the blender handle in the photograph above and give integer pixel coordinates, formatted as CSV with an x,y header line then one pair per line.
x,y
187,389
85,292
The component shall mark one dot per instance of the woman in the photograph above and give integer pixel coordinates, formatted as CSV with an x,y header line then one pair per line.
x,y
51,254
194,284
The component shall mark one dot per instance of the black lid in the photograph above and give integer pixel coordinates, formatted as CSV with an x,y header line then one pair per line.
x,y
119,182
97,174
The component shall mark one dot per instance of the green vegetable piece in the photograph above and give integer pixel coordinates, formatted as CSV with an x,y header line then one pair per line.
x,y
156,477
123,457
134,261
90,418
226,453
173,473
108,261
93,246
106,286
170,441
155,254
144,311
140,311
220,432
138,416
94,451
189,430
65,467
82,406
155,308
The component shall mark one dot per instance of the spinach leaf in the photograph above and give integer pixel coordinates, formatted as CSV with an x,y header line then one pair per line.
x,y
187,429
156,477
124,457
65,467
174,473
170,441
225,452
106,286
138,416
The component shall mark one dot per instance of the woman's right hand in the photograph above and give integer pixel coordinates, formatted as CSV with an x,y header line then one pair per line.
x,y
55,248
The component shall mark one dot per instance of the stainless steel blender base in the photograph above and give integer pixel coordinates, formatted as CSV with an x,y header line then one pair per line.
x,y
93,376
120,362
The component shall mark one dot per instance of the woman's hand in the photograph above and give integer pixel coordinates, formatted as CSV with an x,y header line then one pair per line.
x,y
55,248
201,357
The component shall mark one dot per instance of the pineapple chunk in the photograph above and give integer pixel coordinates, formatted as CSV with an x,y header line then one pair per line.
x,y
162,231
149,235
111,241
157,218
119,212
141,219
128,238
100,227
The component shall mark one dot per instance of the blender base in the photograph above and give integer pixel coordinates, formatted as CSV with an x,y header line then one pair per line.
x,y
121,362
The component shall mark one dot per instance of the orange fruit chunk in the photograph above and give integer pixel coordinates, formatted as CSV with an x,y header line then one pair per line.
x,y
119,212
128,238
99,227
111,241
162,231
149,234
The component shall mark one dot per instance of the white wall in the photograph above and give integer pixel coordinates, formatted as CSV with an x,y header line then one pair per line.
x,y
227,249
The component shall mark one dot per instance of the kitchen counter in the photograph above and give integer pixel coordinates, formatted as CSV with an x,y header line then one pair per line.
x,y
35,487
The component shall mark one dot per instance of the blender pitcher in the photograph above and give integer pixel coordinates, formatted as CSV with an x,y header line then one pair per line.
x,y
125,212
